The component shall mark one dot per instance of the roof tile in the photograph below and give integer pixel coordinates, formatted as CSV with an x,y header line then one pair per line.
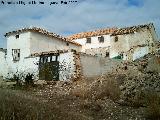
x,y
112,31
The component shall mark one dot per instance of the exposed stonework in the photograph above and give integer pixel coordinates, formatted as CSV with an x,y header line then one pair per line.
x,y
132,29
49,52
133,42
102,51
77,65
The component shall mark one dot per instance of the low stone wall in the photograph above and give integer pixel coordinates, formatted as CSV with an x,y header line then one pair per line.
x,y
92,66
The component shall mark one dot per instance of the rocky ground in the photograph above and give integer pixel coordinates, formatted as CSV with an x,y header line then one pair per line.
x,y
131,92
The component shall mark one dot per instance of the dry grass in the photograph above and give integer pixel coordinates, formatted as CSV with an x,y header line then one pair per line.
x,y
20,105
97,88
153,106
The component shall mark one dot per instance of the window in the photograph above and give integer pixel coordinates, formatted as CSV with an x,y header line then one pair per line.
x,y
41,59
101,39
107,54
88,40
49,58
67,44
16,54
116,39
17,36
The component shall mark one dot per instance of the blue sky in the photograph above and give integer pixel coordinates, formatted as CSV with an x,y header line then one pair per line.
x,y
83,15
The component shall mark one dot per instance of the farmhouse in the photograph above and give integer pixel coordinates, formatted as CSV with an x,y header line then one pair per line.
x,y
52,57
21,44
127,43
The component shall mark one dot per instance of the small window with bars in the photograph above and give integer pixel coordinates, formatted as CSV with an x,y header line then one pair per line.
x,y
116,39
17,36
88,40
101,39
16,54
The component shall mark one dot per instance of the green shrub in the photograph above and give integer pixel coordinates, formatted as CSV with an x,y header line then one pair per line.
x,y
29,79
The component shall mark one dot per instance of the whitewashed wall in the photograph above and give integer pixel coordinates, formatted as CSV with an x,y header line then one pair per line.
x,y
128,42
94,66
31,65
94,42
22,43
3,64
67,65
42,43
140,52
28,43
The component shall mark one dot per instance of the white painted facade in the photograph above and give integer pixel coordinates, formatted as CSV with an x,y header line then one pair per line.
x,y
94,42
21,43
67,66
43,43
140,52
3,68
133,45
29,43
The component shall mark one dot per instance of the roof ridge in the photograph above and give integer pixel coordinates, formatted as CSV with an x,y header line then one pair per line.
x,y
104,31
130,29
91,33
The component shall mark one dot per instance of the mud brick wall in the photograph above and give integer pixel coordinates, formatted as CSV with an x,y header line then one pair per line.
x,y
92,66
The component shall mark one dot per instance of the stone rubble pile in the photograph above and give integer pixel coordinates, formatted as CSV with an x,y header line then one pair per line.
x,y
137,80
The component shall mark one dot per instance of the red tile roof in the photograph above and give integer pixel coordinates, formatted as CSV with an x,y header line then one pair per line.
x,y
132,29
42,31
111,31
91,33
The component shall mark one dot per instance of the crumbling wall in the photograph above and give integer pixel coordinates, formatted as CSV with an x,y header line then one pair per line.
x,y
77,65
153,64
92,66
94,42
131,45
140,52
101,51
66,65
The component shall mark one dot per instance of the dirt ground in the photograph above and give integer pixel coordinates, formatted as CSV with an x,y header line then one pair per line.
x,y
18,104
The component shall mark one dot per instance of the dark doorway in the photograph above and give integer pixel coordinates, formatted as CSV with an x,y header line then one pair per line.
x,y
49,68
